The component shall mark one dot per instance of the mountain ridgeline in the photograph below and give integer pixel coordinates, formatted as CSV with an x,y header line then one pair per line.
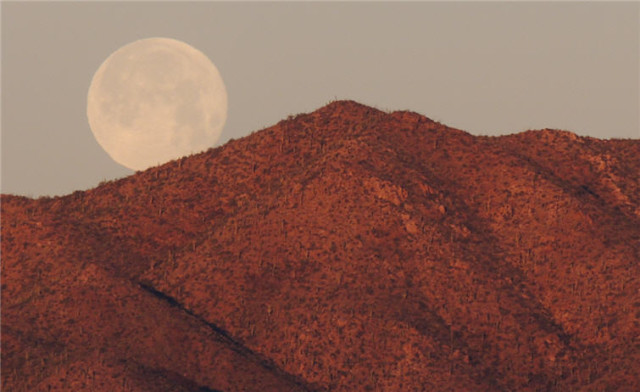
x,y
348,249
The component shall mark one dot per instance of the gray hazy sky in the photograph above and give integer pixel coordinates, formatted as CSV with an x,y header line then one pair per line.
x,y
487,68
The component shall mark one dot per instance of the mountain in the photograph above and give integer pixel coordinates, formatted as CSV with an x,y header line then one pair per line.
x,y
347,249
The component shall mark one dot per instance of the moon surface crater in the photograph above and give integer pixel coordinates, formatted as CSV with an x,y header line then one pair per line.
x,y
155,100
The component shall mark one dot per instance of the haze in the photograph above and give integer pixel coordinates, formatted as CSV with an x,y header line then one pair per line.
x,y
487,68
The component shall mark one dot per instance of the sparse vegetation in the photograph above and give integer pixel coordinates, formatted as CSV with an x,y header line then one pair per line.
x,y
346,249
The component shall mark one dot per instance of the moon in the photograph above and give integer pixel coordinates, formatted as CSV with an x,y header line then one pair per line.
x,y
155,100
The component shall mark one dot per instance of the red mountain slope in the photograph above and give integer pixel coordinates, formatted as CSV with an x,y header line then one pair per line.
x,y
346,249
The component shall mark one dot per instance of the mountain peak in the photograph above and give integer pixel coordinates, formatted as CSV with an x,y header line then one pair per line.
x,y
343,249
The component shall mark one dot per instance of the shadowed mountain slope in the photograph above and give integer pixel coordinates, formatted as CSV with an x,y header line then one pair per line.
x,y
346,249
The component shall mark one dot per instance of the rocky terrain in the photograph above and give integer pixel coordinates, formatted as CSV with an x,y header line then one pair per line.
x,y
348,249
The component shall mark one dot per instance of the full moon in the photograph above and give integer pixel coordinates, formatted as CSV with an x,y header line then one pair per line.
x,y
155,100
